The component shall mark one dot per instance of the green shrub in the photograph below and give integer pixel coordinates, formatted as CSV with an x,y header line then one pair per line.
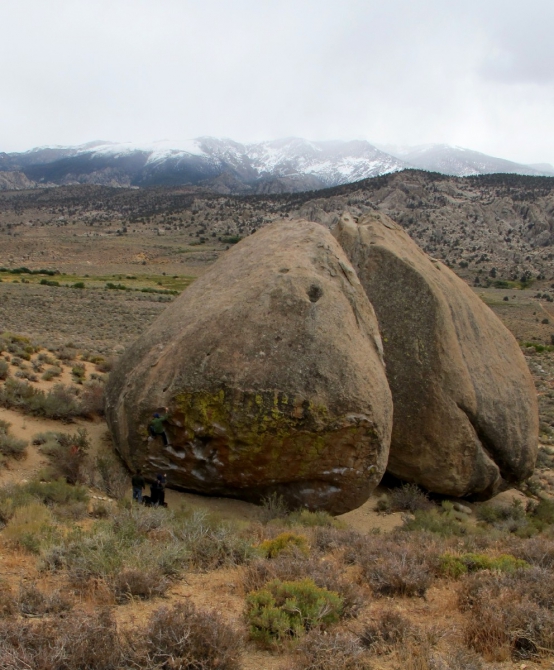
x,y
119,546
79,372
58,403
4,369
19,345
26,374
74,511
45,358
86,555
508,518
290,567
37,366
57,492
213,545
493,513
30,526
104,365
456,566
544,512
13,496
51,373
283,542
437,522
284,610
383,504
42,438
10,446
67,455
53,494
65,353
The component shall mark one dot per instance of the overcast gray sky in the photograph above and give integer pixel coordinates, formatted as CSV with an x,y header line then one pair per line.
x,y
477,73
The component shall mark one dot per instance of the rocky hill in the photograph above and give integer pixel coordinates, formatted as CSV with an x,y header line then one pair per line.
x,y
15,181
488,228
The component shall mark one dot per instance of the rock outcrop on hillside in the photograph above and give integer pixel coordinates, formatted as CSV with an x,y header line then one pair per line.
x,y
465,407
15,181
271,366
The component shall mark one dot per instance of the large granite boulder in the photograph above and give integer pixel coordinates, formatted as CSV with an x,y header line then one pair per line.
x,y
271,366
465,407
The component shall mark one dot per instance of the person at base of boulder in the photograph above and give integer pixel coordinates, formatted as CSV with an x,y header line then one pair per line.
x,y
155,490
157,428
138,484
161,479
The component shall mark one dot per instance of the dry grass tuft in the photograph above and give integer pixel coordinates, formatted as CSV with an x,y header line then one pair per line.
x,y
31,601
7,601
134,583
333,651
398,565
509,615
537,550
82,641
390,630
409,498
183,638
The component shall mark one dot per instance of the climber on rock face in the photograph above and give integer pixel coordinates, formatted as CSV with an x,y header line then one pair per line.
x,y
156,427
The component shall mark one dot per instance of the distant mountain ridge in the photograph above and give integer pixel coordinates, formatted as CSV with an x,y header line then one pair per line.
x,y
223,165
460,162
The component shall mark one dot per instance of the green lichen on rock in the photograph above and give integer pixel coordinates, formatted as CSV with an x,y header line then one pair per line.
x,y
250,421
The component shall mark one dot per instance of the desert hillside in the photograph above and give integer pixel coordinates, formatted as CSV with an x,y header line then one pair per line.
x,y
490,228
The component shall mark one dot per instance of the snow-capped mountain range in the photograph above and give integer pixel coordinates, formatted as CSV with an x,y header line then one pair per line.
x,y
291,164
